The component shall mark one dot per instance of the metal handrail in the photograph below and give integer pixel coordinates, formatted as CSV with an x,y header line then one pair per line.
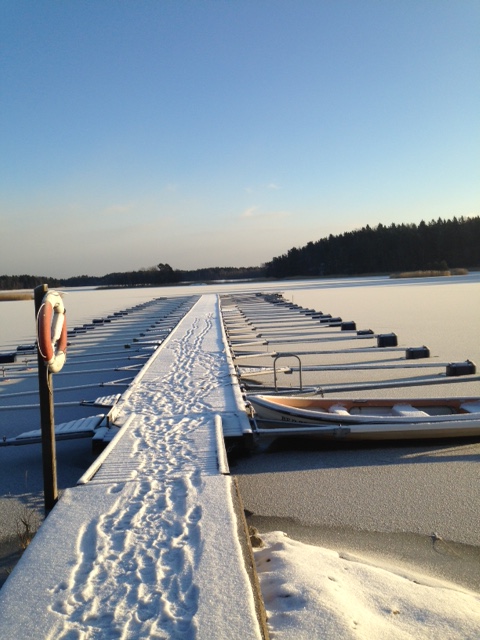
x,y
286,355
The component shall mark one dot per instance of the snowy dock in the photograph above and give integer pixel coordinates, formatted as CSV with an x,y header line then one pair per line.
x,y
152,541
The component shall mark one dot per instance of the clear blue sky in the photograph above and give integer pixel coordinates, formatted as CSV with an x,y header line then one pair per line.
x,y
224,132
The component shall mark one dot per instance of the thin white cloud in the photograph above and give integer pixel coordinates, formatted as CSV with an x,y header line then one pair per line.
x,y
273,185
250,212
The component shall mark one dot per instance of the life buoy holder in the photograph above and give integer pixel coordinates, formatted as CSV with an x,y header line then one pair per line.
x,y
52,331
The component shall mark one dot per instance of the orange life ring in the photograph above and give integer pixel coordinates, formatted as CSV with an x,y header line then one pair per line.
x,y
52,331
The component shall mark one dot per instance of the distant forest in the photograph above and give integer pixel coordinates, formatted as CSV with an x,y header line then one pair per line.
x,y
439,244
160,275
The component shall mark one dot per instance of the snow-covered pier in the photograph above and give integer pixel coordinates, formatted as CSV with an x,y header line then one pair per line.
x,y
151,542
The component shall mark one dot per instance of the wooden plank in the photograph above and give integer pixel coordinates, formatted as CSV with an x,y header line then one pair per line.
x,y
75,427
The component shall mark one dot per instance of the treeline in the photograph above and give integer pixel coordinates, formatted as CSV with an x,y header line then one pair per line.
x,y
142,278
9,283
438,244
160,275
164,274
222,273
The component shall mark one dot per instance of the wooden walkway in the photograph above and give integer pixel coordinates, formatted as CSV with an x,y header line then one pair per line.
x,y
151,542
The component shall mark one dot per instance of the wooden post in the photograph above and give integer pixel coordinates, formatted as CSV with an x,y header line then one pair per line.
x,y
47,421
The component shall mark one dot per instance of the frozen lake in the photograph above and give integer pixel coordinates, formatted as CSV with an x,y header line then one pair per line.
x,y
415,505
379,499
443,313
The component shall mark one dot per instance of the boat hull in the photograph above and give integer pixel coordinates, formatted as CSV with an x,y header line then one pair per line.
x,y
373,420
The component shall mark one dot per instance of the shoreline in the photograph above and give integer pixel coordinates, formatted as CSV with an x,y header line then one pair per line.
x,y
399,552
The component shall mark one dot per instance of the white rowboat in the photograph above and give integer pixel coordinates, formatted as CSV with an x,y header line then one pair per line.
x,y
368,419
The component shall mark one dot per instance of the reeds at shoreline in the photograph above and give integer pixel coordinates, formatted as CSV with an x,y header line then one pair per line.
x,y
9,296
430,273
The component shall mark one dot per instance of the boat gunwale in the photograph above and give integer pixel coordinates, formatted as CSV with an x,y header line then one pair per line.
x,y
287,407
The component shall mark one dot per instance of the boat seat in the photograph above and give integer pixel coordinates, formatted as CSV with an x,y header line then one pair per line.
x,y
407,411
471,407
338,409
